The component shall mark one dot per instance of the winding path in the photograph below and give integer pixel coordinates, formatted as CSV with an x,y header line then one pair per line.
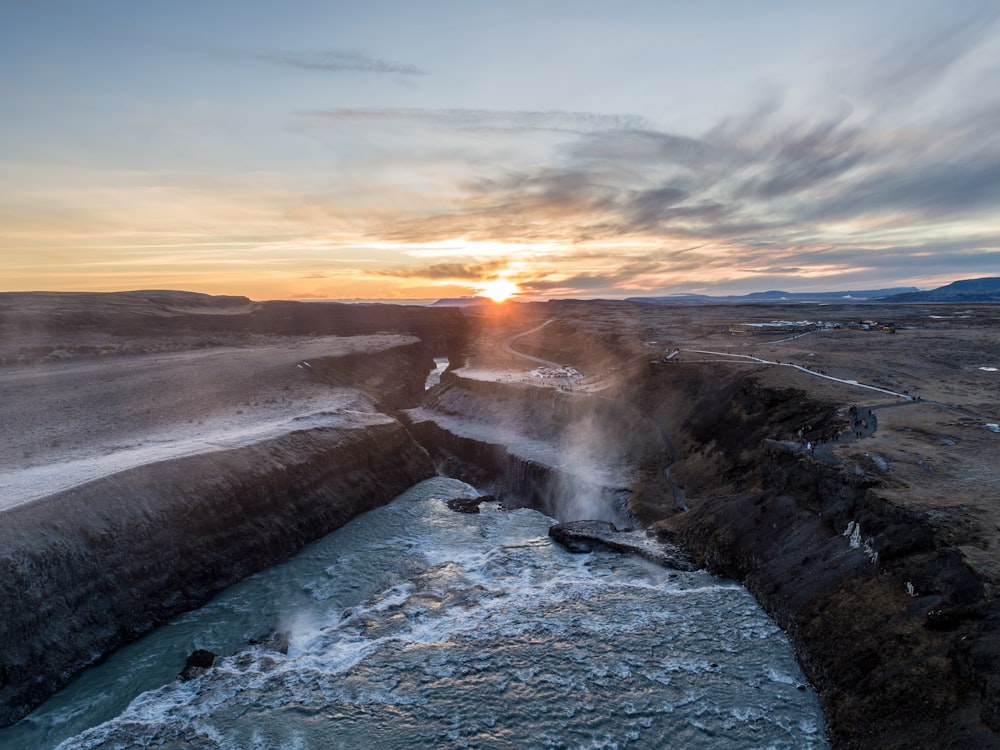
x,y
855,383
860,427
505,345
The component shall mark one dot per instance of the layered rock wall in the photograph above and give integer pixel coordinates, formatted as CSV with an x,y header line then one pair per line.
x,y
91,568
394,378
896,632
893,629
571,455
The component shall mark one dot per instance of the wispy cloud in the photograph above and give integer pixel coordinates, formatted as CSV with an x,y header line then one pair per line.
x,y
900,74
888,166
783,190
780,178
338,61
484,119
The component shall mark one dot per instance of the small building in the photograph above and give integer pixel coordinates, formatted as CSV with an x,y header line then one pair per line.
x,y
775,326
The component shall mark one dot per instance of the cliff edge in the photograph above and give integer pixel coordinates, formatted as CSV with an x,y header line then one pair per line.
x,y
91,568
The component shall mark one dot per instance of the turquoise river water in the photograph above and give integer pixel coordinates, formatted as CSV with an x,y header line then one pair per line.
x,y
415,626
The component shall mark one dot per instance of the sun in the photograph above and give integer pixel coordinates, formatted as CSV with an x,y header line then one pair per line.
x,y
499,290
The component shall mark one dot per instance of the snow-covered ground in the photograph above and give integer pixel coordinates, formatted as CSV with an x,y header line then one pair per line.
x,y
65,424
512,436
23,485
541,377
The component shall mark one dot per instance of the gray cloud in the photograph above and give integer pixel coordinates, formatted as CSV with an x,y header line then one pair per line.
x,y
337,61
801,176
923,193
650,207
581,282
796,160
938,255
639,145
782,270
465,271
621,277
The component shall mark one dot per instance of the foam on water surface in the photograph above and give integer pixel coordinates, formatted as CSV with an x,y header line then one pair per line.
x,y
415,625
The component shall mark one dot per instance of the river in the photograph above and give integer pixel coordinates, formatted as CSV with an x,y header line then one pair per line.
x,y
415,625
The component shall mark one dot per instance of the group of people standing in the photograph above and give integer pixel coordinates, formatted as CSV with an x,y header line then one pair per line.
x,y
860,423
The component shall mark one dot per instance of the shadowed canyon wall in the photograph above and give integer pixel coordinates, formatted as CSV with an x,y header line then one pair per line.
x,y
89,569
897,634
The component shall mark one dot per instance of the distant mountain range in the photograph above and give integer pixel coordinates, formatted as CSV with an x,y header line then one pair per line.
x,y
868,295
461,301
958,292
968,290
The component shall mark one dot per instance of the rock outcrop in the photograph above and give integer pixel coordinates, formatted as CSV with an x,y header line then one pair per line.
x,y
393,378
198,662
585,536
896,633
469,504
86,569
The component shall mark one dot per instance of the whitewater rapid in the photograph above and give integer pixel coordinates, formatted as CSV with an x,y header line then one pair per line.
x,y
417,626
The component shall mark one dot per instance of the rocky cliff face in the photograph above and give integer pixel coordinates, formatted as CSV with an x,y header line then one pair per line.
x,y
572,456
394,378
899,636
89,569
896,632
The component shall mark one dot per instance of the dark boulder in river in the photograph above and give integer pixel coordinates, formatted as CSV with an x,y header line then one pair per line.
x,y
199,660
469,504
585,536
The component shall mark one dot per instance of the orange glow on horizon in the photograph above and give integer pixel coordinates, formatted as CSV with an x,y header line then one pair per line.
x,y
499,290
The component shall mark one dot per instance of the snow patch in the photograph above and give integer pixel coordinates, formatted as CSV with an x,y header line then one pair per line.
x,y
856,541
31,483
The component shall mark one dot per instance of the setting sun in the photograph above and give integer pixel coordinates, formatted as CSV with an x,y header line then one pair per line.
x,y
499,290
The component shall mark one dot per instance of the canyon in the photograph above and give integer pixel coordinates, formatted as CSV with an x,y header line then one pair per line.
x,y
875,554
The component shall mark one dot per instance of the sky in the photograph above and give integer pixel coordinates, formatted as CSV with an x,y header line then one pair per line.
x,y
386,149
